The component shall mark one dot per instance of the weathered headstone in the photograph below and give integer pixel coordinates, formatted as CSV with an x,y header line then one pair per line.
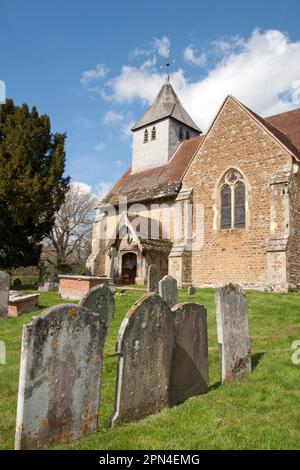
x,y
145,345
189,373
233,333
153,278
191,290
100,300
4,294
60,376
168,290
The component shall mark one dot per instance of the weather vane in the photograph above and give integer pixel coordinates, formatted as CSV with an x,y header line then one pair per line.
x,y
167,64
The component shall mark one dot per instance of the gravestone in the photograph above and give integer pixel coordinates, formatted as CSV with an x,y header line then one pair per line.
x,y
191,290
4,294
189,373
60,376
100,300
145,346
233,333
168,290
153,278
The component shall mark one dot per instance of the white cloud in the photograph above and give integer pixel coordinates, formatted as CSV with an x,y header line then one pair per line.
x,y
98,73
103,188
262,71
190,55
126,129
162,45
111,116
118,163
100,147
84,187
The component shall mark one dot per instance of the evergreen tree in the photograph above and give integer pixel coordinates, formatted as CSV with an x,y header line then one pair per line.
x,y
32,185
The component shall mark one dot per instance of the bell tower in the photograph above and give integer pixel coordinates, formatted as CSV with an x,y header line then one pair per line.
x,y
159,132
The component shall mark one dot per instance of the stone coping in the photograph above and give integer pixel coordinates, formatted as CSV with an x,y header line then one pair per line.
x,y
84,278
15,296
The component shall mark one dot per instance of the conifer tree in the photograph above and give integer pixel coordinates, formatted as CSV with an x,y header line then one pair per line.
x,y
32,185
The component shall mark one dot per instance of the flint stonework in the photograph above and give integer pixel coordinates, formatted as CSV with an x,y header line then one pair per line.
x,y
60,375
189,374
153,278
168,290
145,346
4,294
100,300
233,333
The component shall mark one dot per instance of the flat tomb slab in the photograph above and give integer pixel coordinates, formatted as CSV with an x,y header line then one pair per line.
x,y
76,287
22,303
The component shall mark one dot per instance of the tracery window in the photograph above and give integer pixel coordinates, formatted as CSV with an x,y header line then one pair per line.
x,y
233,200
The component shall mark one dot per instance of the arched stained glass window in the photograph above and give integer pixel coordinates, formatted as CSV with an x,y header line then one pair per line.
x,y
233,201
239,205
226,220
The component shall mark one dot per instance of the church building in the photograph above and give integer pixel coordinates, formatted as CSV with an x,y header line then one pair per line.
x,y
207,209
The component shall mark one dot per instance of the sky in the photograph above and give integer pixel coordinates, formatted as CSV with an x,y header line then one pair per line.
x,y
94,67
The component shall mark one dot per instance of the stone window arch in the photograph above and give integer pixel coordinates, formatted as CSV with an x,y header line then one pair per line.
x,y
153,133
146,136
232,201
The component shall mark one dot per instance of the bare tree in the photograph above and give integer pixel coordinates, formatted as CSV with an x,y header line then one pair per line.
x,y
70,238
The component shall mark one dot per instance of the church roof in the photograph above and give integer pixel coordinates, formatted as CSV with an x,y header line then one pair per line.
x,y
156,183
166,104
165,181
289,124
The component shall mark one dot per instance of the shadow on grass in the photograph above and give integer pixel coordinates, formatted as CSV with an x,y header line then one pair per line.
x,y
256,358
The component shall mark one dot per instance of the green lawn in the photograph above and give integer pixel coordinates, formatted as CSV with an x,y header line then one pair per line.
x,y
260,412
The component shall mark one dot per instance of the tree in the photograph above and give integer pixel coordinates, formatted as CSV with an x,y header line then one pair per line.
x,y
69,241
32,186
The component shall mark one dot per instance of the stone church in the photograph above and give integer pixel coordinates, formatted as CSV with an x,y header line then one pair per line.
x,y
207,209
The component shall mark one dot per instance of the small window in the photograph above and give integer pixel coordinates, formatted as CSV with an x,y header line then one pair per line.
x,y
153,133
233,201
187,135
146,136
180,133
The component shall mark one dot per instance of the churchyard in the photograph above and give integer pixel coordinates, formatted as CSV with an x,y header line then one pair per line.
x,y
258,411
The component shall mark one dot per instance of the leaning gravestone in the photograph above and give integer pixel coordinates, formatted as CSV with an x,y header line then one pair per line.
x,y
233,333
153,278
4,294
100,300
145,346
168,290
189,373
60,376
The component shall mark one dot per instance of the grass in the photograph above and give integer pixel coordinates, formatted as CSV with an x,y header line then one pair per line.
x,y
260,412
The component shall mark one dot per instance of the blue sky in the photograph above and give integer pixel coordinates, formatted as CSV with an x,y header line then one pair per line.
x,y
95,66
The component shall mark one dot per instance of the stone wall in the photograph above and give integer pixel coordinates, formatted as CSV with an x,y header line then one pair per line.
x,y
237,141
294,241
